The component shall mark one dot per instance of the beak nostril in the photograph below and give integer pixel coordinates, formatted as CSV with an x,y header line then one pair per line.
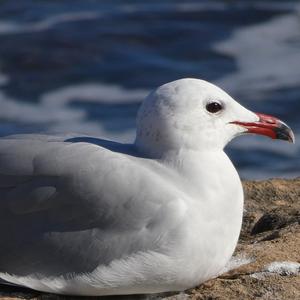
x,y
270,121
267,119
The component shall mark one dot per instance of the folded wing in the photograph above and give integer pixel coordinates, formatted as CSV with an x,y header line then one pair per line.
x,y
69,207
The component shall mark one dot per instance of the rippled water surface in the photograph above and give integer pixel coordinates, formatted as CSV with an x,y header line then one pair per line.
x,y
85,66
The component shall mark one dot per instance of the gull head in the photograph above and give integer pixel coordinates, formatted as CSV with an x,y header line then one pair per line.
x,y
194,114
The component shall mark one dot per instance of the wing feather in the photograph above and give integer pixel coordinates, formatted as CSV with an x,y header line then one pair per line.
x,y
70,207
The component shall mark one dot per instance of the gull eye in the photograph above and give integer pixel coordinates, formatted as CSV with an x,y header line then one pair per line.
x,y
214,107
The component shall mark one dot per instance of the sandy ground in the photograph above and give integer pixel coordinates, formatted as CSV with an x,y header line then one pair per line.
x,y
269,241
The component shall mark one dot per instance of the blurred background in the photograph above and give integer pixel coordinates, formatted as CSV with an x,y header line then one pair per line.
x,y
85,66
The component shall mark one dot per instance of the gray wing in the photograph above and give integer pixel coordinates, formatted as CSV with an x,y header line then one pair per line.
x,y
69,207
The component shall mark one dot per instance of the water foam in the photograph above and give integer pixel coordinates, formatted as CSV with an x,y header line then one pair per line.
x,y
54,112
93,92
265,54
9,27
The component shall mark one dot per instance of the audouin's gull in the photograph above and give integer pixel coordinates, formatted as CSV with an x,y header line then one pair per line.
x,y
85,216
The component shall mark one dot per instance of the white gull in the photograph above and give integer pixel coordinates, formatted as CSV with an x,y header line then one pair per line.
x,y
85,216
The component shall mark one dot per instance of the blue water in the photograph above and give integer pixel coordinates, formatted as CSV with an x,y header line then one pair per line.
x,y
85,66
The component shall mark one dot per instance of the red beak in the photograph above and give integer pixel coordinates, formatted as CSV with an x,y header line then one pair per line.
x,y
269,126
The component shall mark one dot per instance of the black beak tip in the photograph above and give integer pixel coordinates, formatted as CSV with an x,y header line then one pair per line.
x,y
283,132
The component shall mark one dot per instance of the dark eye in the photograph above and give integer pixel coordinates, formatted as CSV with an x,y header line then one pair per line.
x,y
214,107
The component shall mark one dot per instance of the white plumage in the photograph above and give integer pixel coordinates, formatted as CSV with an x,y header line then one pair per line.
x,y
85,216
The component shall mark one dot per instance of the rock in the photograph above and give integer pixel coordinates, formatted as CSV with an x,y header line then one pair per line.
x,y
274,219
269,247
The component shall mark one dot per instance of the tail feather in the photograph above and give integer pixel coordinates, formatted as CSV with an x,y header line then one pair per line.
x,y
4,282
